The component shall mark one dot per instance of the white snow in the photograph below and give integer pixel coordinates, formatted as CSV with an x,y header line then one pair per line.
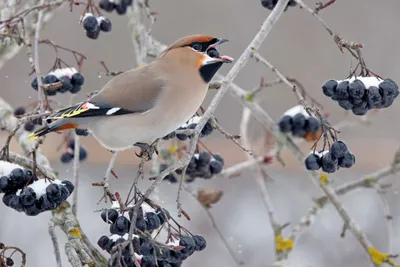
x,y
323,152
367,81
370,81
295,110
100,19
146,208
114,205
40,186
126,236
58,73
6,168
86,15
194,119
173,243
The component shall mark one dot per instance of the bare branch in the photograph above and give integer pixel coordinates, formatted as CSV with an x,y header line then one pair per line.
x,y
55,243
215,226
76,174
36,56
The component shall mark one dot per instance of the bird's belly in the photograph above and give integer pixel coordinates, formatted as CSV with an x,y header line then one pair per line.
x,y
121,132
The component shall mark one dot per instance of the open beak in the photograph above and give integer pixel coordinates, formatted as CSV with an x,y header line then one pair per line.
x,y
224,58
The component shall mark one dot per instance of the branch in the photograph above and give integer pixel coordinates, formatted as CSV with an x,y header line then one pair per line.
x,y
76,174
7,52
281,246
36,56
241,62
9,122
55,243
282,78
214,225
367,181
78,244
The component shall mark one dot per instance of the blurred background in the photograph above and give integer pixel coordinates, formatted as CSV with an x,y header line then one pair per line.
x,y
299,47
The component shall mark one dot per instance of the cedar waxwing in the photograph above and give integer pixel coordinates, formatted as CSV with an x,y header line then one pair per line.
x,y
141,105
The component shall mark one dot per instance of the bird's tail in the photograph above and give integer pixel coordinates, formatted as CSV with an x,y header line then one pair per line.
x,y
55,126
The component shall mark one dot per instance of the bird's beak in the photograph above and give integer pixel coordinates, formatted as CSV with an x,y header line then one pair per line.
x,y
224,58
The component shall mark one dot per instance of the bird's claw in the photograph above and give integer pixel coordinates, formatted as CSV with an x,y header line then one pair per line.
x,y
147,150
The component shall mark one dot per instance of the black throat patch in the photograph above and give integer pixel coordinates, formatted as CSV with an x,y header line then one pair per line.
x,y
208,71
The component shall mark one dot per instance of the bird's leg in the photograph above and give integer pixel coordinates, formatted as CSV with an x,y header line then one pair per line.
x,y
147,150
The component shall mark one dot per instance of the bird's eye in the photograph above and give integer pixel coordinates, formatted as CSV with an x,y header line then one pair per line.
x,y
212,52
196,46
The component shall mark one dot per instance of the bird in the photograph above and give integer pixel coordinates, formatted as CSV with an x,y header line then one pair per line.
x,y
143,104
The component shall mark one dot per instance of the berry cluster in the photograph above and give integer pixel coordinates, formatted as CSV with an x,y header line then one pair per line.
x,y
64,80
24,193
270,4
330,161
147,220
82,132
299,123
29,125
202,165
110,5
360,94
68,155
191,124
8,261
93,25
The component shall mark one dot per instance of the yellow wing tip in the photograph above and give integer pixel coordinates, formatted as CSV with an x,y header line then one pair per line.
x,y
32,137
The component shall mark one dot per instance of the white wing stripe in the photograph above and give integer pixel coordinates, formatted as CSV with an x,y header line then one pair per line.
x,y
112,111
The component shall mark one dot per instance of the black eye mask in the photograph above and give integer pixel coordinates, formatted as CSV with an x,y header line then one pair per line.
x,y
212,52
202,46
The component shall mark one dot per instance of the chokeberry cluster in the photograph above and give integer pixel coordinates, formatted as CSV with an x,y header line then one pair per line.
x,y
330,161
120,6
61,81
202,165
29,125
270,4
360,94
24,193
191,124
299,123
93,25
147,219
68,155
147,254
82,132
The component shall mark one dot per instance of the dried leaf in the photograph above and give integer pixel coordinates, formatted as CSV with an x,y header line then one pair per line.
x,y
208,196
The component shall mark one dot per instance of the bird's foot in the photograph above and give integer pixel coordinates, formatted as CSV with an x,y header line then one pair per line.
x,y
147,150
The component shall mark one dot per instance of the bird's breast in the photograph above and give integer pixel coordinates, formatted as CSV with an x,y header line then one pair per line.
x,y
177,107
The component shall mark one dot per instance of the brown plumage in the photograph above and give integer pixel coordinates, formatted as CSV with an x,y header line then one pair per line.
x,y
148,102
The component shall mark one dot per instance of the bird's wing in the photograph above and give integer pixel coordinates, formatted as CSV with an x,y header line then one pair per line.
x,y
134,91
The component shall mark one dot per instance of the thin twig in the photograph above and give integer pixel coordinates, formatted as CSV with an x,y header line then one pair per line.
x,y
229,136
76,174
178,195
215,226
258,57
388,217
258,176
